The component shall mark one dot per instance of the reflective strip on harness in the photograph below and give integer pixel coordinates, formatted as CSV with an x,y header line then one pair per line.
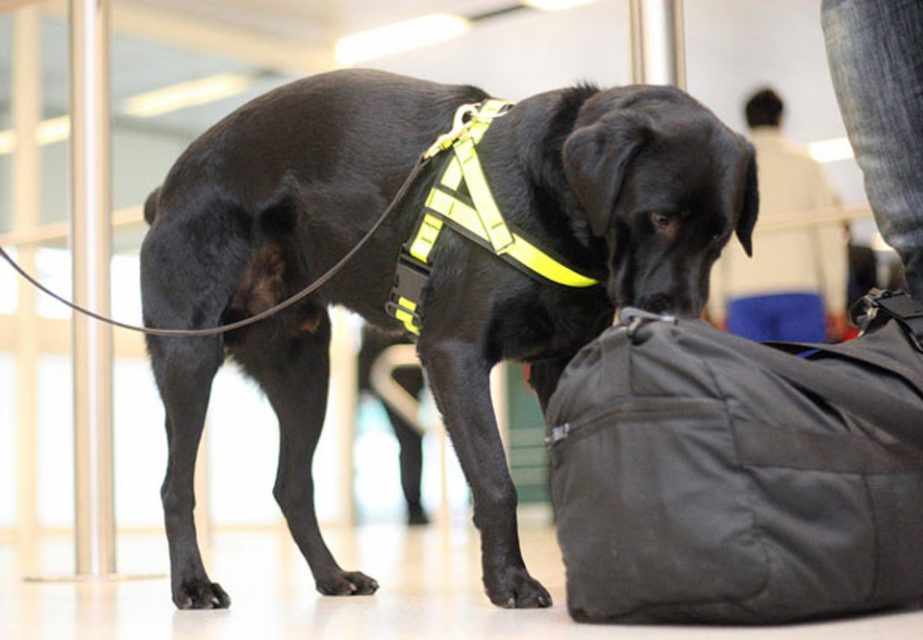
x,y
486,208
483,223
405,313
519,250
452,176
426,237
541,263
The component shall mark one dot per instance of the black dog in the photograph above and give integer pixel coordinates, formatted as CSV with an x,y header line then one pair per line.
x,y
639,187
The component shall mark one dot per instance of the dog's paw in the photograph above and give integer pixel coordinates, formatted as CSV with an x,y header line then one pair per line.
x,y
518,590
348,583
199,593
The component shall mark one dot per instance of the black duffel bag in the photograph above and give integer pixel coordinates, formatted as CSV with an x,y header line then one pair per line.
x,y
700,477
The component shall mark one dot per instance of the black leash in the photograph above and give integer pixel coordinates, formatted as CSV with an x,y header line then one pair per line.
x,y
308,290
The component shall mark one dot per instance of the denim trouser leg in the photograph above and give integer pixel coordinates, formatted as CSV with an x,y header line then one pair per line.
x,y
875,50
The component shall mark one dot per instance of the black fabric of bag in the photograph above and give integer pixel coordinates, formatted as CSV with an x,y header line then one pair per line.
x,y
700,477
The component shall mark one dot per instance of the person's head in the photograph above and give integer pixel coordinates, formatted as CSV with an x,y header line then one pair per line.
x,y
764,109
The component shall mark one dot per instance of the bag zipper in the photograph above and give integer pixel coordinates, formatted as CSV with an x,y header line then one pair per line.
x,y
563,431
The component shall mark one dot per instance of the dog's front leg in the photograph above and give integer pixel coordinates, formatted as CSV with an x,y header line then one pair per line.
x,y
459,376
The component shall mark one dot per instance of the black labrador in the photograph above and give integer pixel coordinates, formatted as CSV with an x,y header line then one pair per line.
x,y
638,186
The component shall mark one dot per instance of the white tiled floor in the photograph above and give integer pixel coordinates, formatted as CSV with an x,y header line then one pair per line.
x,y
430,589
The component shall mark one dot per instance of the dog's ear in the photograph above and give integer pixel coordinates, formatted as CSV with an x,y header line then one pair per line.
x,y
596,158
751,206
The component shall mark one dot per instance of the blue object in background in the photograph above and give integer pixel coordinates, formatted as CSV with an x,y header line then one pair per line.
x,y
798,317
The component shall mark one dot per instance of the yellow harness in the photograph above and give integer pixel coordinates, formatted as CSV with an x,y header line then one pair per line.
x,y
477,218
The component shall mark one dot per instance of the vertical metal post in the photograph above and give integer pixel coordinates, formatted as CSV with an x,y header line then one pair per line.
x,y
343,377
658,49
27,109
91,238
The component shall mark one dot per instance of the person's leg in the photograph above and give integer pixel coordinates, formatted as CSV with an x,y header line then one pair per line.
x,y
876,62
411,459
411,441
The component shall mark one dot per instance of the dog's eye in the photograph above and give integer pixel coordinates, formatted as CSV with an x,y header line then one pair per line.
x,y
661,221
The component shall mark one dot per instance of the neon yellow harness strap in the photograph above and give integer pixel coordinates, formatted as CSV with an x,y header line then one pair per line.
x,y
520,250
525,252
426,237
491,219
483,222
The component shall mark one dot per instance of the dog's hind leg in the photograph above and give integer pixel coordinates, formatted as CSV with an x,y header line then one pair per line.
x,y
294,373
184,369
188,272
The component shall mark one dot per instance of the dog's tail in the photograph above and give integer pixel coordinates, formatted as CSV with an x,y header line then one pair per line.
x,y
150,206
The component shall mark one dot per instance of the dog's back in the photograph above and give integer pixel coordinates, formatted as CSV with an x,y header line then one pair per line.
x,y
275,193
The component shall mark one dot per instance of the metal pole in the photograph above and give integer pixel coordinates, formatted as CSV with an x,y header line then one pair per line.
x,y
658,49
27,110
91,238
343,378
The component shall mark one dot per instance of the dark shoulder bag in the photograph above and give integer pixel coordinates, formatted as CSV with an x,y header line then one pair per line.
x,y
701,477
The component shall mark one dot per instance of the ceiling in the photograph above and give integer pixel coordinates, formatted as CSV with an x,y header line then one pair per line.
x,y
157,43
319,21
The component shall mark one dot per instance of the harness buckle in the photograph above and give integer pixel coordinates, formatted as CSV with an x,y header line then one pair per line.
x,y
403,303
878,306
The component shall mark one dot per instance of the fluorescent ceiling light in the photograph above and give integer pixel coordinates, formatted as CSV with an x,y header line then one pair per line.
x,y
556,5
831,150
49,132
186,94
7,141
54,130
398,37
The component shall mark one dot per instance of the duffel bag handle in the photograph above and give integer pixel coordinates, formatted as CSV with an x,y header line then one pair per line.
x,y
891,413
880,305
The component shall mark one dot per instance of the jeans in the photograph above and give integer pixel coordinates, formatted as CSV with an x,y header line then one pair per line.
x,y
875,51
796,317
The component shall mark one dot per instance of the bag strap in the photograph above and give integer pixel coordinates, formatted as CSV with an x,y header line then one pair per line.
x,y
890,413
846,350
872,313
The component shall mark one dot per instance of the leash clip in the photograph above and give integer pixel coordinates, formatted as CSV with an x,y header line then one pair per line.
x,y
463,118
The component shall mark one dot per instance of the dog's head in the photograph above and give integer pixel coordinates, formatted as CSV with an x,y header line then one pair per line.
x,y
666,184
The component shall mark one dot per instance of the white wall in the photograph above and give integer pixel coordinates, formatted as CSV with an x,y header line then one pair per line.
x,y
732,48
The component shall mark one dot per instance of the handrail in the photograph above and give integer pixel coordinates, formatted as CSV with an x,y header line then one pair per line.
x,y
383,383
786,220
56,231
133,215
